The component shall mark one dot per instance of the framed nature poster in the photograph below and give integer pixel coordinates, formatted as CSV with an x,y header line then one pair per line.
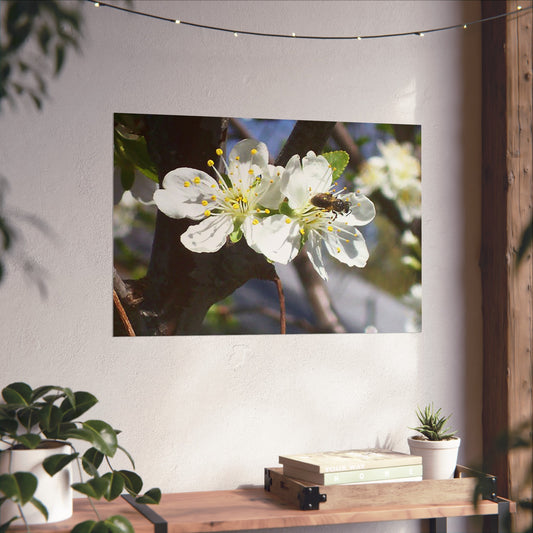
x,y
227,225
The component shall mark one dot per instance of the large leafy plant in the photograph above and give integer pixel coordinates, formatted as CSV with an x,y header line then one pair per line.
x,y
30,417
433,424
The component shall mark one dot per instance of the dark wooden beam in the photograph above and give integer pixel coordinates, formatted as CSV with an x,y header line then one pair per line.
x,y
507,199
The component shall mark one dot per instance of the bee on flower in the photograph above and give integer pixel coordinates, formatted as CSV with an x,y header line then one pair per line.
x,y
317,214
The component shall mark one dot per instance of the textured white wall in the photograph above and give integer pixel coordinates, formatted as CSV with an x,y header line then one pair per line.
x,y
209,412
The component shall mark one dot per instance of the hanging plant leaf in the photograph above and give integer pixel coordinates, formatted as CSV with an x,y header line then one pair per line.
x,y
74,406
56,463
153,496
17,393
91,461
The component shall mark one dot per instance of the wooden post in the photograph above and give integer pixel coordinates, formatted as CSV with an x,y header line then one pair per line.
x,y
507,199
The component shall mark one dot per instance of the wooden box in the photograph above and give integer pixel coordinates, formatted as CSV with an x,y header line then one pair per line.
x,y
307,496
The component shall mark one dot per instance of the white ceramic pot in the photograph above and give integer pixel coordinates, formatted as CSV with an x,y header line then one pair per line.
x,y
53,491
439,457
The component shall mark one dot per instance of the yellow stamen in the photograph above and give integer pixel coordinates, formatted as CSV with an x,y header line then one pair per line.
x,y
255,222
267,211
204,202
213,197
250,171
210,163
219,151
338,250
197,180
237,158
253,151
288,221
302,231
207,213
235,206
330,228
187,184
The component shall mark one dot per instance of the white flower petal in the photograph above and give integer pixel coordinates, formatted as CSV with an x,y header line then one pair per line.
x,y
174,206
318,172
208,236
269,189
362,209
293,183
183,191
276,237
192,183
348,249
314,252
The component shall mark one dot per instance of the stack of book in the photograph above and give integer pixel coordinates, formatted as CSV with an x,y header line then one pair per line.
x,y
352,466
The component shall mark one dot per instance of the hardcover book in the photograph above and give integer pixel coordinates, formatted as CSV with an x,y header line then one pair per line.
x,y
400,473
346,460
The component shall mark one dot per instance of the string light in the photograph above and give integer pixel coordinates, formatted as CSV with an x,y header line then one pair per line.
x,y
293,35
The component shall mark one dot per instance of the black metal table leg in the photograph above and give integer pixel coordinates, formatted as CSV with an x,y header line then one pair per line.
x,y
438,525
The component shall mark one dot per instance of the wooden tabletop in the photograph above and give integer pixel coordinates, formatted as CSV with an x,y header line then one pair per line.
x,y
253,508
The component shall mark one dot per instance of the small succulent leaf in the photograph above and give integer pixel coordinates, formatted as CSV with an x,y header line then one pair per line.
x,y
91,461
83,401
115,485
56,463
338,161
39,505
30,440
119,524
132,482
17,393
153,496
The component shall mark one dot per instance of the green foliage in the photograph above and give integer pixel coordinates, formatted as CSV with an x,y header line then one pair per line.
x,y
51,28
131,153
338,161
30,418
433,425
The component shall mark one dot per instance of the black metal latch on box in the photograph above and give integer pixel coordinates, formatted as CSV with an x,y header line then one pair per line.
x,y
309,498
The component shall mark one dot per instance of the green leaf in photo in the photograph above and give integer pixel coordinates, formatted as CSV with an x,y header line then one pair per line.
x,y
338,161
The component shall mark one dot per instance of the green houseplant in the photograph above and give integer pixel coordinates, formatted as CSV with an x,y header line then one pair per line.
x,y
48,416
436,443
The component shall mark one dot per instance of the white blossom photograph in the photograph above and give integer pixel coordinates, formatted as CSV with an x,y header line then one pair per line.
x,y
228,226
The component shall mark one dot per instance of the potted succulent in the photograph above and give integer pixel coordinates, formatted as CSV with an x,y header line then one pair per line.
x,y
436,443
38,431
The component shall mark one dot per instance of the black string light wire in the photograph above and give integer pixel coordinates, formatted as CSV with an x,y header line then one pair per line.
x,y
237,32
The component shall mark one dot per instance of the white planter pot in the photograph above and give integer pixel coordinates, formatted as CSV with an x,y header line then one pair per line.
x,y
53,491
439,457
